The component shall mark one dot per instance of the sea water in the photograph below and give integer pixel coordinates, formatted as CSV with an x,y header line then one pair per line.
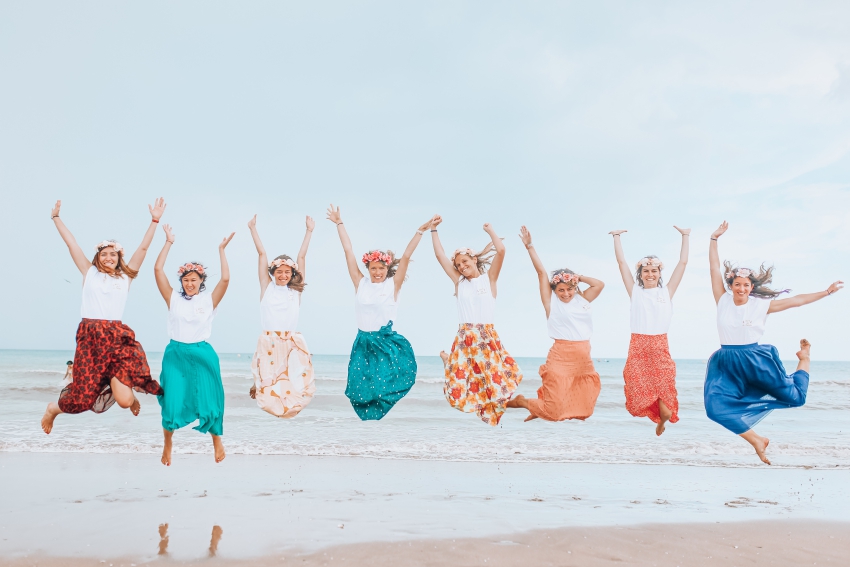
x,y
424,426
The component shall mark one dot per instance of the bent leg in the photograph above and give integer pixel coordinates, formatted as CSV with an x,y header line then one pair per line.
x,y
124,396
49,416
758,442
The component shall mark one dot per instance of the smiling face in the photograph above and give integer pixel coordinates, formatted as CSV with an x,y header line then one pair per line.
x,y
282,275
565,292
191,283
741,288
467,266
377,272
650,276
108,257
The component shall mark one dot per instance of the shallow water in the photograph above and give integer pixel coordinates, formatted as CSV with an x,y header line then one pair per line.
x,y
423,426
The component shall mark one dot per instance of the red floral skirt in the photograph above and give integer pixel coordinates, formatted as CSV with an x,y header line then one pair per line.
x,y
105,350
650,375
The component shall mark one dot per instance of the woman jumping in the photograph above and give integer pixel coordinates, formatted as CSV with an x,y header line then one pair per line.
x,y
650,373
108,362
480,374
570,382
191,375
746,380
382,368
282,366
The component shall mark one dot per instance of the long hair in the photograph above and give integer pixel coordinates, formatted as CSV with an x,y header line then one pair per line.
x,y
203,277
296,282
639,280
392,266
759,281
570,285
482,259
122,269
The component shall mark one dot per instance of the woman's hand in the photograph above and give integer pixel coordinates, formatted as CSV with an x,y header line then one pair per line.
x,y
311,224
169,236
333,215
617,232
683,231
724,226
488,228
525,236
836,286
226,241
425,226
55,212
157,209
435,221
252,224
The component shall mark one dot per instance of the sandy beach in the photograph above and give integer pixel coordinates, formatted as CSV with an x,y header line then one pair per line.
x,y
95,508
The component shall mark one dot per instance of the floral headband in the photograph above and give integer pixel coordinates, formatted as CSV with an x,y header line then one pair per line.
x,y
190,267
108,243
656,262
376,256
565,278
278,262
468,251
739,273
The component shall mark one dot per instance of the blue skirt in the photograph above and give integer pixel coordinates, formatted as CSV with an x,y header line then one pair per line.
x,y
381,371
192,388
744,383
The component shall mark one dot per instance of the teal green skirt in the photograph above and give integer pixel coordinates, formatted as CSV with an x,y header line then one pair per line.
x,y
381,371
192,389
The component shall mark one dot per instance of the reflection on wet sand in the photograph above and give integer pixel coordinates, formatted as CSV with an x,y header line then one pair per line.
x,y
214,539
163,539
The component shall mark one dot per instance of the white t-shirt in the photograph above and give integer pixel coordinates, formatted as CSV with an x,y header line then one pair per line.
x,y
475,301
279,308
741,324
651,310
571,321
190,320
104,297
375,304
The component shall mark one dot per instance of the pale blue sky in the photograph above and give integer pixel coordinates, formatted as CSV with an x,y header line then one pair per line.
x,y
573,118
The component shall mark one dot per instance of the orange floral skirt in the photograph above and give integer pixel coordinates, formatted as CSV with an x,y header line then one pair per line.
x,y
570,383
650,375
480,375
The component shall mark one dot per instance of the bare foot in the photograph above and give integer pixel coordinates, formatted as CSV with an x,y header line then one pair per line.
x,y
49,415
759,443
219,448
445,356
530,417
136,407
805,349
166,450
517,402
253,392
665,413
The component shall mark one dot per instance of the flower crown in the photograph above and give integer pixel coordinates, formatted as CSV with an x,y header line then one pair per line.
x,y
107,243
739,273
190,267
376,256
278,262
564,278
468,251
656,262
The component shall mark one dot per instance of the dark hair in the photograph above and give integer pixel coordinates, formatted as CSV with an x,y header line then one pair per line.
x,y
122,267
69,363
392,266
296,282
200,275
759,281
640,268
563,271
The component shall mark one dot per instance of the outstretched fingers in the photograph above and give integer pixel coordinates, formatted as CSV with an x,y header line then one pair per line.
x,y
226,240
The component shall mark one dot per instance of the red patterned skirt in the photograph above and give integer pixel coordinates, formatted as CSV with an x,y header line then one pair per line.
x,y
105,350
650,375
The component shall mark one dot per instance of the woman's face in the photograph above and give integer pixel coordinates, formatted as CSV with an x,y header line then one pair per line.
x,y
650,276
564,292
741,288
191,283
282,275
467,266
377,272
108,257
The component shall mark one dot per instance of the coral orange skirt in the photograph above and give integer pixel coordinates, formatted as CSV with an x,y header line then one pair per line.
x,y
570,383
650,375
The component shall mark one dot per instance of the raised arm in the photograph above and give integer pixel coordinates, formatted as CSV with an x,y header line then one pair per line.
x,y
778,305
625,269
302,252
77,255
679,270
594,289
162,282
138,257
350,260
444,261
498,259
404,261
224,281
718,288
542,275
262,258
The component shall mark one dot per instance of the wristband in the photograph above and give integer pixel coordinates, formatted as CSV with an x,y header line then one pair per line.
x,y
714,239
155,220
55,217
420,232
169,241
433,230
339,223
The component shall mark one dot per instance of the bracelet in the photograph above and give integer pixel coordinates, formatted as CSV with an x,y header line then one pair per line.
x,y
420,232
169,241
155,220
339,223
433,230
55,217
714,239
828,292
527,246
